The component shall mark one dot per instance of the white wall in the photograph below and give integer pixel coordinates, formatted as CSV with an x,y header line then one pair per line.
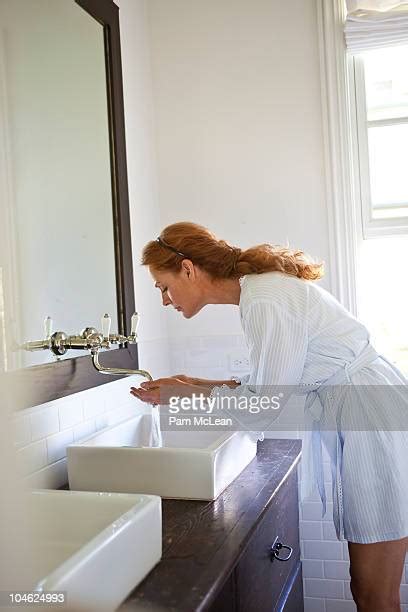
x,y
239,135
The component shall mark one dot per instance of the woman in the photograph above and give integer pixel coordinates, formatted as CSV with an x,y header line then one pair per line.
x,y
297,334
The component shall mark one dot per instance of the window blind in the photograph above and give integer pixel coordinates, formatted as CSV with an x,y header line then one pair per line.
x,y
371,24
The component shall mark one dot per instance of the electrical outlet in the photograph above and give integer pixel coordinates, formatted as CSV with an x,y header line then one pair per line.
x,y
238,361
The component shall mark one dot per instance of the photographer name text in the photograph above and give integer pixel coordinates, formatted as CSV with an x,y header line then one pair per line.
x,y
200,421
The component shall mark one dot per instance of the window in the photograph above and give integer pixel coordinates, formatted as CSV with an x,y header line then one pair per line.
x,y
365,120
382,295
380,91
381,103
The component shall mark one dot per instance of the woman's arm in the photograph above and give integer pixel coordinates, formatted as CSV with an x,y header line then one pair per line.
x,y
160,390
205,382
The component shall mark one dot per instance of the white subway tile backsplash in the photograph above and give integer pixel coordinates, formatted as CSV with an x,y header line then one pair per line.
x,y
22,430
213,373
220,373
338,605
183,343
101,421
120,414
118,393
85,429
310,530
222,343
94,407
312,511
347,590
345,550
32,457
51,476
312,568
57,445
322,550
71,412
316,587
154,356
178,363
45,422
206,359
313,604
337,569
315,496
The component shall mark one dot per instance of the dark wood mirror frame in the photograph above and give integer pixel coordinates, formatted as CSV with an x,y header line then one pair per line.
x,y
39,384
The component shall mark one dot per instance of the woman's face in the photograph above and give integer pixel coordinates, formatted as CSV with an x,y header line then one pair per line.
x,y
180,289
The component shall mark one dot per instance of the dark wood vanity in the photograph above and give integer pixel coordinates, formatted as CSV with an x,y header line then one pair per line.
x,y
217,555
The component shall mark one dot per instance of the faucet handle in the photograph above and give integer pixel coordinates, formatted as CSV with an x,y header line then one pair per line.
x,y
47,328
106,325
134,324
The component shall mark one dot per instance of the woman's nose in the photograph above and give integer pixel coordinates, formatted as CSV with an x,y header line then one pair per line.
x,y
166,301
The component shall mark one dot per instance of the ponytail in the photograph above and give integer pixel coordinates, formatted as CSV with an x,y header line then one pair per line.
x,y
219,259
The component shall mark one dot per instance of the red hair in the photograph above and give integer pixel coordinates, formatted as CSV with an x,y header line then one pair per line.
x,y
220,259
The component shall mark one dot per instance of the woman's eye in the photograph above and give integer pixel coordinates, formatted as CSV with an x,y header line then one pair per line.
x,y
164,290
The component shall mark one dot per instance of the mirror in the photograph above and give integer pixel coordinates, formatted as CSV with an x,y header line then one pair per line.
x,y
60,199
64,200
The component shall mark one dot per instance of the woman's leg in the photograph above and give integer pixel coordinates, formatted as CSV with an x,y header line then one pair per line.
x,y
376,571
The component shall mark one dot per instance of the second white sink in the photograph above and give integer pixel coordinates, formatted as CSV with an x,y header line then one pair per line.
x,y
189,464
94,547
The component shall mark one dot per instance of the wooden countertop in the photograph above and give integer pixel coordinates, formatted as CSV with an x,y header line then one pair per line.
x,y
203,540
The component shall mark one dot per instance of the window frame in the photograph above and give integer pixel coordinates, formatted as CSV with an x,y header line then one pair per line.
x,y
338,146
371,227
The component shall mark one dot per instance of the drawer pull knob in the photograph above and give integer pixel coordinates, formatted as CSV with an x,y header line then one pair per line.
x,y
276,549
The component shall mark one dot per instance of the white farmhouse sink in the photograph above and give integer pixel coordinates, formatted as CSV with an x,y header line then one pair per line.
x,y
94,546
188,465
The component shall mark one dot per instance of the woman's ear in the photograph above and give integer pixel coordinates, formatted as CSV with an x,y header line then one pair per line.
x,y
188,267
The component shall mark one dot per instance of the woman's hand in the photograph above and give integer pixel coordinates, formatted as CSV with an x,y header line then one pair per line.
x,y
204,382
160,390
184,378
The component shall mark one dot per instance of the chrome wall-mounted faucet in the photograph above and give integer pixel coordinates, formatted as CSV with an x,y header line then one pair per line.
x,y
89,339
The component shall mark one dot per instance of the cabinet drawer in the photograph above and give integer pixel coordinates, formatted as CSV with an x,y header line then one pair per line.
x,y
259,580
